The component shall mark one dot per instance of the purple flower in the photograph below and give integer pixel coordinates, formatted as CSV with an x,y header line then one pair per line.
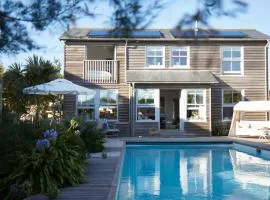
x,y
50,134
42,144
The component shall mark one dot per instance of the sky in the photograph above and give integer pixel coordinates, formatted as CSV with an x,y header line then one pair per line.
x,y
257,16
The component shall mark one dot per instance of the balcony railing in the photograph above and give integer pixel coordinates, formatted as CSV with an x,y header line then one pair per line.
x,y
101,71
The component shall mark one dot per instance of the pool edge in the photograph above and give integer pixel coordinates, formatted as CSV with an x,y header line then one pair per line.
x,y
117,178
117,175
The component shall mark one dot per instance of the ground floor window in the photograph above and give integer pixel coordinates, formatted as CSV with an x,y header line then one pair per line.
x,y
230,98
147,104
98,104
86,105
196,105
108,104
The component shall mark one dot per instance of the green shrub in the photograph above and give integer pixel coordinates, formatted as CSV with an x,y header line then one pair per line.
x,y
221,129
58,165
92,137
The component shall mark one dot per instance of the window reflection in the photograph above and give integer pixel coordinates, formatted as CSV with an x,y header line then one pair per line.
x,y
249,169
214,172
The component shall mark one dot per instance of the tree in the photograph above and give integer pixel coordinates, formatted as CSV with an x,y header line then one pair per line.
x,y
36,71
1,90
18,17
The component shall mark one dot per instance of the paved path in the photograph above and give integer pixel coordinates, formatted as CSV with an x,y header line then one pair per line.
x,y
100,178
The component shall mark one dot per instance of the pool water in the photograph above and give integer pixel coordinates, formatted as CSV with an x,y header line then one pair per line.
x,y
172,172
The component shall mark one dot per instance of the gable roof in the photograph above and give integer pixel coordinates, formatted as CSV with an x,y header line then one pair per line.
x,y
82,34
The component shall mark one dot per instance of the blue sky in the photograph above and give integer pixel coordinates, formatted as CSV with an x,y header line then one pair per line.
x,y
257,16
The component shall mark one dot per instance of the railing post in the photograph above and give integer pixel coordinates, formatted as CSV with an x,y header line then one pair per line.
x,y
115,71
84,70
89,71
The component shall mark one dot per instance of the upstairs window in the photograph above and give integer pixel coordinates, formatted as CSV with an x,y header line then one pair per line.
x,y
180,57
232,60
155,56
230,98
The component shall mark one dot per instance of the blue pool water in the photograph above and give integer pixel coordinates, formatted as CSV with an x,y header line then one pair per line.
x,y
191,172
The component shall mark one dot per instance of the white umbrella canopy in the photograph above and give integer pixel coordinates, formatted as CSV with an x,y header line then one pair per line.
x,y
57,87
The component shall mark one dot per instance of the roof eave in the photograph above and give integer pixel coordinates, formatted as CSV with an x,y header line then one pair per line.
x,y
165,40
168,82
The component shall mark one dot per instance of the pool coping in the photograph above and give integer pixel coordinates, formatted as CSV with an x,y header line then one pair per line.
x,y
243,141
116,179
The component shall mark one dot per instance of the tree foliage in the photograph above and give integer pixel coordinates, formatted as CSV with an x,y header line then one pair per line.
x,y
19,17
36,71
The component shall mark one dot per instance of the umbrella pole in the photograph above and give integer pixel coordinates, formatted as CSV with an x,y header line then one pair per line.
x,y
37,111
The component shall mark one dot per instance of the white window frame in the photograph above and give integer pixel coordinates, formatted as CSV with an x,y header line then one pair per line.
x,y
232,73
203,109
87,107
187,66
100,105
229,105
163,57
155,105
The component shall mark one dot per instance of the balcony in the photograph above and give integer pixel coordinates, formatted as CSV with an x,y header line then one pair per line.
x,y
101,71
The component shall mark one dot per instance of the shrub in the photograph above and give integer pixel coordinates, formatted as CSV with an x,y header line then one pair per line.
x,y
91,136
46,161
221,129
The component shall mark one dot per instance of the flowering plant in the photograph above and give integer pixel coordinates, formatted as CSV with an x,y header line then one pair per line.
x,y
50,134
42,144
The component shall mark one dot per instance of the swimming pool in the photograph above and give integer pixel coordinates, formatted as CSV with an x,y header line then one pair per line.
x,y
194,171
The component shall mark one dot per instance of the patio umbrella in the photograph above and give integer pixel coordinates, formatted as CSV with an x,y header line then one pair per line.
x,y
57,87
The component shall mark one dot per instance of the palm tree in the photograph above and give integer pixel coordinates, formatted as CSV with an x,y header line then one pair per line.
x,y
13,83
36,71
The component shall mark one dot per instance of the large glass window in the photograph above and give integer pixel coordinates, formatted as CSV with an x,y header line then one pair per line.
x,y
108,104
231,60
180,56
230,98
145,105
86,105
196,105
155,56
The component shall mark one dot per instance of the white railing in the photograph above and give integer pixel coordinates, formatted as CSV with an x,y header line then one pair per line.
x,y
101,71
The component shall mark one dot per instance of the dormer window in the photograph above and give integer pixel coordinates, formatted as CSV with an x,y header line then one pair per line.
x,y
155,56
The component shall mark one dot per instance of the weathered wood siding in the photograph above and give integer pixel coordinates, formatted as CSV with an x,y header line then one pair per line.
x,y
203,56
206,56
75,53
74,56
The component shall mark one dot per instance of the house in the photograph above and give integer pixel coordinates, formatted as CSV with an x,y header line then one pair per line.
x,y
185,81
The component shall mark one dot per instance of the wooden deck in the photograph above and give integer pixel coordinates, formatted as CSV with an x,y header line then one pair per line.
x,y
99,178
